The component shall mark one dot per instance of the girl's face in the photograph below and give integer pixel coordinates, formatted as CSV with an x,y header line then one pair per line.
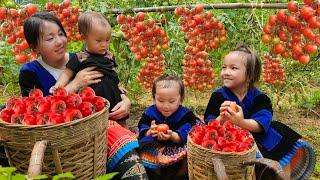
x,y
52,43
167,100
98,39
233,73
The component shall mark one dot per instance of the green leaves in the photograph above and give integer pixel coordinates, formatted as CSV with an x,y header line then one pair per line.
x,y
107,176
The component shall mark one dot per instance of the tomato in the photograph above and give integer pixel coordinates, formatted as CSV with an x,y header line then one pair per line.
x,y
72,114
19,108
58,106
266,38
310,48
140,16
86,108
12,101
121,19
5,115
16,118
87,94
40,119
55,118
61,93
210,134
31,9
179,11
306,12
304,59
3,13
29,119
198,9
162,128
234,107
44,106
99,103
33,93
293,6
66,3
73,100
21,58
210,144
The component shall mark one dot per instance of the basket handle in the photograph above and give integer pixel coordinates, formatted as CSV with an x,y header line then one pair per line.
x,y
36,159
271,164
219,169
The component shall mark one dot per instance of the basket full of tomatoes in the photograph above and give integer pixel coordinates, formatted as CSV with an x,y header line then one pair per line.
x,y
70,129
208,145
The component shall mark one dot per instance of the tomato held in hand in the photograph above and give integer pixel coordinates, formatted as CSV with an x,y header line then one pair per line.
x,y
162,128
234,107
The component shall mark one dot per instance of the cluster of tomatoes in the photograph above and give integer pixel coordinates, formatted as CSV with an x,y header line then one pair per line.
x,y
272,70
226,137
294,32
11,21
68,17
58,108
204,33
146,41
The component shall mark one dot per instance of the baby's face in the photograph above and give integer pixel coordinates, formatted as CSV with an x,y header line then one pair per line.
x,y
167,100
98,39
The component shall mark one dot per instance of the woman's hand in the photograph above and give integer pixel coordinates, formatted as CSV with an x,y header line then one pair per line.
x,y
121,109
83,78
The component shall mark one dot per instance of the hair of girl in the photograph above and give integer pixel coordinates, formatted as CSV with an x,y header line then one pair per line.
x,y
168,81
253,64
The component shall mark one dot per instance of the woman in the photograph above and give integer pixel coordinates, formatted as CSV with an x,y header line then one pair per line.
x,y
46,36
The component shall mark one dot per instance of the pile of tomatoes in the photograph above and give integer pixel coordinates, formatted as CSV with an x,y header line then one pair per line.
x,y
204,33
68,16
226,137
294,32
272,70
58,108
11,27
12,20
146,40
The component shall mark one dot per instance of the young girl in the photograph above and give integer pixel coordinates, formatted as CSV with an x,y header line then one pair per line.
x,y
240,70
96,32
46,36
168,94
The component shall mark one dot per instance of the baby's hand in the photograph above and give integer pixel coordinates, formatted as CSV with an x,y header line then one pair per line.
x,y
164,136
153,130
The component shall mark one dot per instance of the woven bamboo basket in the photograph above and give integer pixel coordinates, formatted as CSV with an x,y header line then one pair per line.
x,y
78,146
202,162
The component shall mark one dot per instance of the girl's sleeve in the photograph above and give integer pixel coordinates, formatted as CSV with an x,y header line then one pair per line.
x,y
185,125
213,107
144,125
262,111
28,80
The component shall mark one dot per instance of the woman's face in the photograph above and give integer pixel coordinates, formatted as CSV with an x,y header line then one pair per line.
x,y
52,43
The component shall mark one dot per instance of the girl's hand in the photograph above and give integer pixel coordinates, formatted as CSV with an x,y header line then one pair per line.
x,y
121,109
229,114
164,136
153,129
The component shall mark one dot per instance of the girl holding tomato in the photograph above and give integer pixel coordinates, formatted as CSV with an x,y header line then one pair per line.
x,y
46,36
241,103
166,122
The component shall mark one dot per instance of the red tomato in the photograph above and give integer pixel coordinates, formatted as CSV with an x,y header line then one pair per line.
x,y
12,101
86,109
33,93
87,94
58,106
162,128
61,93
31,9
29,119
44,106
72,114
5,115
55,118
99,103
73,100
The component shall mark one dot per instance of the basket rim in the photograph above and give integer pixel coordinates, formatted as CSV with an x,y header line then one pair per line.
x,y
253,147
50,126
